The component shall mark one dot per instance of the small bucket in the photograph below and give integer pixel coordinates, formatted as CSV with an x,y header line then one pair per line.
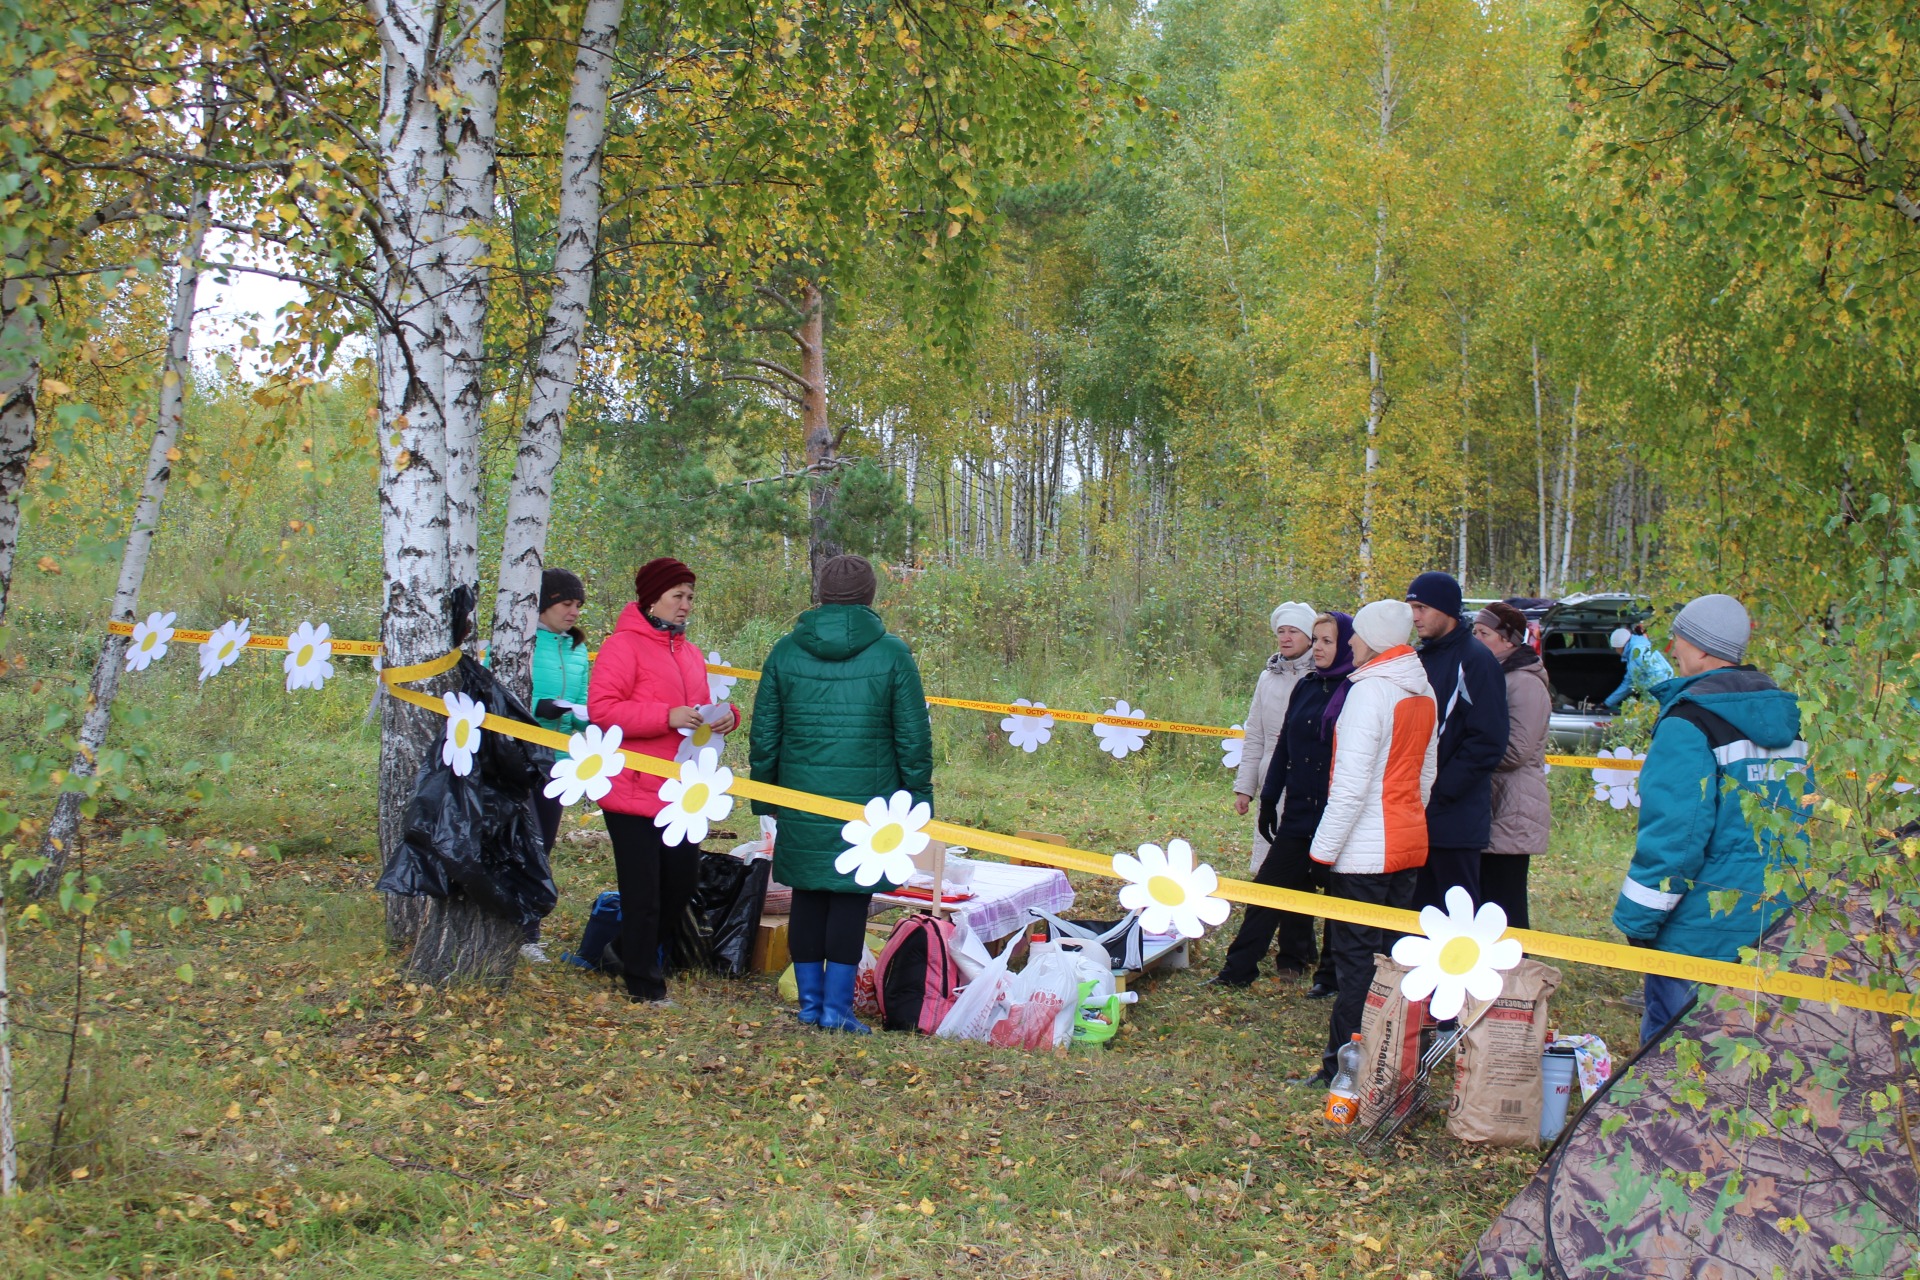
x,y
1557,1075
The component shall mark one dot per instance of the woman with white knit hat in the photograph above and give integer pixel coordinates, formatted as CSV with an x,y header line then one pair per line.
x,y
1292,625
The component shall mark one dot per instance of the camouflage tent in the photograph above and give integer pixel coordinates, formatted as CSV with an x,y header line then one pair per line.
x,y
1685,1171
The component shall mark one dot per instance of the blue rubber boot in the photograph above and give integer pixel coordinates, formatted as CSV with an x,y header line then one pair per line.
x,y
838,1013
812,983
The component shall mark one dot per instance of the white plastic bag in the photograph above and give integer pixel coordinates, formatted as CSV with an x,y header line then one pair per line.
x,y
982,1002
1055,978
969,952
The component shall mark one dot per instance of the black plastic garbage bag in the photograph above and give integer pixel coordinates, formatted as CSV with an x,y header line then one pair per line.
x,y
717,929
477,836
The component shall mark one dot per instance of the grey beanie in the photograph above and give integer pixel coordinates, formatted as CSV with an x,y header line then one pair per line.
x,y
1716,625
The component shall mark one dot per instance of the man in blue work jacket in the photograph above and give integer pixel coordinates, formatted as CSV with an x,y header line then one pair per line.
x,y
1726,732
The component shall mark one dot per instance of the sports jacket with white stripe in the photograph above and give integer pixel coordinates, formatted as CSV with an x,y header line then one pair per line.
x,y
1697,885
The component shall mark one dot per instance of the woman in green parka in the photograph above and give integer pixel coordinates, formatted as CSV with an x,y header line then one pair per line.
x,y
560,670
839,712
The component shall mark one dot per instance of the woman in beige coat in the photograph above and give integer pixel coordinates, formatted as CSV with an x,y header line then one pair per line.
x,y
1292,625
1522,814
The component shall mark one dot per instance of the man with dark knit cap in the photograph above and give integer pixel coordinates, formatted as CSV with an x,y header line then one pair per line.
x,y
1726,734
839,712
1471,692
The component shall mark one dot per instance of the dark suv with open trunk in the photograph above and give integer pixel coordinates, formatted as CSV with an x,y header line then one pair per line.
x,y
1581,664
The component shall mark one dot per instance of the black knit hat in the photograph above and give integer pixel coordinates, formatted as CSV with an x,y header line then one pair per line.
x,y
557,585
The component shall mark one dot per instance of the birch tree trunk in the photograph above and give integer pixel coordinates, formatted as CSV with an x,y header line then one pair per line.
x,y
1466,456
1573,479
1539,472
530,500
20,338
472,129
410,363
64,825
1386,90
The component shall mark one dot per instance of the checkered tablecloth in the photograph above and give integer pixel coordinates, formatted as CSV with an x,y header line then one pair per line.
x,y
1002,894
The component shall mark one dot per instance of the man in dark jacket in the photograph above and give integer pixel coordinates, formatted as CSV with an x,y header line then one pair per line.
x,y
1471,692
839,712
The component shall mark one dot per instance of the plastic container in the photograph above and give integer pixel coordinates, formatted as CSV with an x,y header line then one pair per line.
x,y
1343,1095
1557,1076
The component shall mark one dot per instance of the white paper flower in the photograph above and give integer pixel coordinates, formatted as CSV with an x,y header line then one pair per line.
x,y
1618,787
1168,891
593,757
150,639
1029,733
223,648
1232,749
1120,741
882,844
719,687
702,737
1461,955
695,799
463,731
308,651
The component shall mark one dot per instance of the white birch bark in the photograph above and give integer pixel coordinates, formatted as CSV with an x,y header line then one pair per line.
x,y
64,825
1573,480
530,500
472,128
1386,99
1539,474
409,359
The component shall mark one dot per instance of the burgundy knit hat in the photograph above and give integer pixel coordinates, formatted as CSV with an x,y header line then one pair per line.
x,y
657,577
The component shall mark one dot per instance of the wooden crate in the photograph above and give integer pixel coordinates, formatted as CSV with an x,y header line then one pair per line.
x,y
770,946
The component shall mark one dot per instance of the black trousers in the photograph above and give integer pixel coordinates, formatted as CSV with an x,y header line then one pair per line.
x,y
656,883
1355,945
1446,868
1288,866
825,925
1503,879
547,809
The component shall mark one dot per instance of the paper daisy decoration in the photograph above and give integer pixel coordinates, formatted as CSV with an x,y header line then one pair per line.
x,y
1029,733
1618,787
308,651
1232,749
463,731
1169,892
695,799
1119,740
883,842
223,648
1462,954
701,737
719,687
593,757
150,639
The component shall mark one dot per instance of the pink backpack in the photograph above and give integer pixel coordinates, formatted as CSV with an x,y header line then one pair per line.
x,y
917,975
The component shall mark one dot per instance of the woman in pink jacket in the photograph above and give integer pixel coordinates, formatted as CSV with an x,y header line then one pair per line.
x,y
651,681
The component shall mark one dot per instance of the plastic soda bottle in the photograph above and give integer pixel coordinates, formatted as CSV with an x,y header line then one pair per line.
x,y
1343,1095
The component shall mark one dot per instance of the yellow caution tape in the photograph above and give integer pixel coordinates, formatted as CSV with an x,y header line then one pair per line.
x,y
182,635
1552,946
371,648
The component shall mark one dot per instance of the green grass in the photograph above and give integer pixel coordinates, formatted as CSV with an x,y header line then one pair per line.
x,y
296,1111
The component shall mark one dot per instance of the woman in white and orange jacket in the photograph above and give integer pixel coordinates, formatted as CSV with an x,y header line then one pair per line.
x,y
1373,832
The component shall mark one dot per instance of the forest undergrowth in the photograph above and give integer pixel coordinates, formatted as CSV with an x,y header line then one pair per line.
x,y
259,1095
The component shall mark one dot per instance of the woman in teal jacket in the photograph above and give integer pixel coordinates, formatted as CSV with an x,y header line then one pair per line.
x,y
560,669
839,712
